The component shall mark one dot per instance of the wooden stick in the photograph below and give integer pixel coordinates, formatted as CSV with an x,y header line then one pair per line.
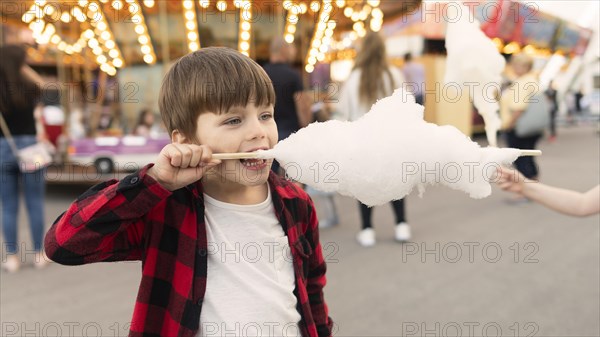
x,y
239,155
525,153
254,155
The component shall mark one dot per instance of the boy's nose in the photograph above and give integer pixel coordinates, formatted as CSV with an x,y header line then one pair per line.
x,y
257,130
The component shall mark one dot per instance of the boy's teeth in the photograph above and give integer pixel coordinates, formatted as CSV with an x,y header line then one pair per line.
x,y
252,162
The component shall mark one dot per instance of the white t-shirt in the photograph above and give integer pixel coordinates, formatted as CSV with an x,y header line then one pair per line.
x,y
250,284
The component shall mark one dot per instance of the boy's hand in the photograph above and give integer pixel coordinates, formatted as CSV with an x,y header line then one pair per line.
x,y
179,165
511,180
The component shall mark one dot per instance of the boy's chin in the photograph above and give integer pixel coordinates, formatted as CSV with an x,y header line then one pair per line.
x,y
256,180
254,183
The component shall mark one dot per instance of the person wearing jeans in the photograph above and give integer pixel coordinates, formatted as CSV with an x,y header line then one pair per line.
x,y
19,96
33,186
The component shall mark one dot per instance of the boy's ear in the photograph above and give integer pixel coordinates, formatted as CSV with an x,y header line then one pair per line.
x,y
178,137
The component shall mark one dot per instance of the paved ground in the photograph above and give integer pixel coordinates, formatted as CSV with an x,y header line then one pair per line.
x,y
474,268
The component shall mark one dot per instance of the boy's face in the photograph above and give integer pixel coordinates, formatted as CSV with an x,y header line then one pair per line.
x,y
241,129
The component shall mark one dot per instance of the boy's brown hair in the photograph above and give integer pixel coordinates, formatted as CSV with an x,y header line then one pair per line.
x,y
212,79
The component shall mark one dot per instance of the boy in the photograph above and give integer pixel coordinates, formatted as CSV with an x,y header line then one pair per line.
x,y
226,247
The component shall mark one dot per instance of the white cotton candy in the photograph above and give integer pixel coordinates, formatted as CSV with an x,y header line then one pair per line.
x,y
388,152
474,62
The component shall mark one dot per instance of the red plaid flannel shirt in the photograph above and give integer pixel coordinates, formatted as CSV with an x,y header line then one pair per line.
x,y
137,219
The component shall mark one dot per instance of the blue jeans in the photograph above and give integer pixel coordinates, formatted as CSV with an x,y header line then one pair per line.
x,y
34,187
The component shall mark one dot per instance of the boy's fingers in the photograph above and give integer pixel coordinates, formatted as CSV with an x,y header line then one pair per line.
x,y
211,163
190,156
206,155
196,156
174,155
187,154
208,160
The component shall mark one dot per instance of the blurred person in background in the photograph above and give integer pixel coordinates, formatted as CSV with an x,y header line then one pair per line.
x,y
19,97
77,124
371,79
578,100
558,199
146,125
551,94
414,74
292,108
513,103
321,111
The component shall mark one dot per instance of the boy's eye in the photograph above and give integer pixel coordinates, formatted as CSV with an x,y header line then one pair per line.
x,y
266,116
233,121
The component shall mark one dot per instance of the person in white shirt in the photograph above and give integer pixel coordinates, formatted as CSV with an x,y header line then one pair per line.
x,y
414,73
247,242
